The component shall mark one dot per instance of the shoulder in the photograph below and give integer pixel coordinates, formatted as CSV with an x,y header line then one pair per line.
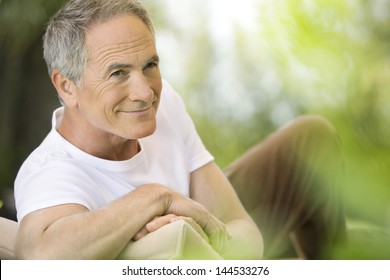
x,y
43,171
49,154
50,179
169,96
172,107
47,165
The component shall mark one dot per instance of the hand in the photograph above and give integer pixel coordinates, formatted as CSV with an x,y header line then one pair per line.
x,y
173,203
161,221
186,207
153,225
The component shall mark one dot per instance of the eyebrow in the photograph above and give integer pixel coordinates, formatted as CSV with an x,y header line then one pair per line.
x,y
154,58
114,66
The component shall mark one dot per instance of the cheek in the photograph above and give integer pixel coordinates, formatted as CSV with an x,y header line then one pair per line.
x,y
156,86
104,97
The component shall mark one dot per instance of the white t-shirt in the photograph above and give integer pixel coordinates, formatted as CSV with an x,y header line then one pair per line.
x,y
57,172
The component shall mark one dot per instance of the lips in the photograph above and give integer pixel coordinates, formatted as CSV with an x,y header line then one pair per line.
x,y
137,110
138,107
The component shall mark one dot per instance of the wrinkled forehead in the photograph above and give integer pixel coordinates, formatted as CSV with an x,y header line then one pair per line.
x,y
119,33
125,29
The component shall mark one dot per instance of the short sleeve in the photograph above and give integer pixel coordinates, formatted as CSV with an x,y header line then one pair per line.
x,y
52,185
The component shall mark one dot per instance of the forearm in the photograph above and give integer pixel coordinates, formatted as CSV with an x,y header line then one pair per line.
x,y
100,234
210,187
245,241
88,235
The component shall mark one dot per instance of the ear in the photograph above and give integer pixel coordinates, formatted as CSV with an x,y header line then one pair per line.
x,y
67,89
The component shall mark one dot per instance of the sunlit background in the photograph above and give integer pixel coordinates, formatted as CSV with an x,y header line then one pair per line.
x,y
244,68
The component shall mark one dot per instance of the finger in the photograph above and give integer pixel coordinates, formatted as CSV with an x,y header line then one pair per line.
x,y
219,238
217,233
159,222
140,234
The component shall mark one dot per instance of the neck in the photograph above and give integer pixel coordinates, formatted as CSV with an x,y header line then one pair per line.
x,y
94,141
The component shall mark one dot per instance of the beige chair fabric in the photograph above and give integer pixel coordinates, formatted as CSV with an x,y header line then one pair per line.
x,y
8,230
176,241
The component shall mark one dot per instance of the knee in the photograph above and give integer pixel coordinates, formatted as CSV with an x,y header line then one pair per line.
x,y
313,131
313,139
315,125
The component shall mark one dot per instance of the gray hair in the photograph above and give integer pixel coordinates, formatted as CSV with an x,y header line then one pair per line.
x,y
64,41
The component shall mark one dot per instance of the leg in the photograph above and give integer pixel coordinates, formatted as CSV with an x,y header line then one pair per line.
x,y
289,183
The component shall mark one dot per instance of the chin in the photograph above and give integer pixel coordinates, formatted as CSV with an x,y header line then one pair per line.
x,y
143,132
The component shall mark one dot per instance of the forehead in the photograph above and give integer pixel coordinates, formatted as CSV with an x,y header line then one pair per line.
x,y
124,33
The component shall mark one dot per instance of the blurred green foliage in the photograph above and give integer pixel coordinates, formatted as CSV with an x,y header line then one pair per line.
x,y
333,57
240,83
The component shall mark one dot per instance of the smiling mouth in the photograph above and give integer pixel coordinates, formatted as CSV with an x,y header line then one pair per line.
x,y
137,111
142,108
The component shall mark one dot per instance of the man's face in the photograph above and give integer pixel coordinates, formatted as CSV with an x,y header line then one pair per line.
x,y
122,84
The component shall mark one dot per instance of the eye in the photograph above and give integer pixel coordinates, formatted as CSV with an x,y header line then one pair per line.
x,y
151,65
118,73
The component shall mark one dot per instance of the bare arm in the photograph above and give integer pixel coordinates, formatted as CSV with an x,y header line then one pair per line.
x,y
71,231
210,187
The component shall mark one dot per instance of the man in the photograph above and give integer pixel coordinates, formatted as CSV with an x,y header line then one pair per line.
x,y
123,157
105,175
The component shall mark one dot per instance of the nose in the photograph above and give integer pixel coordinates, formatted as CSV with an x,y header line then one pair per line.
x,y
140,89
